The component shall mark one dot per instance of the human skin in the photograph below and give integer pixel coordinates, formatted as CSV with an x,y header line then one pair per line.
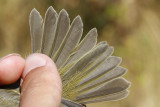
x,y
40,81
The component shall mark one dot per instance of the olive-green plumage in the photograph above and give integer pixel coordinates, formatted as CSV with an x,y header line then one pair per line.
x,y
88,71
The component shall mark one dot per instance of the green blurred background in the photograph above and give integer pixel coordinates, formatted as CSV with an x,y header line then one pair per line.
x,y
131,26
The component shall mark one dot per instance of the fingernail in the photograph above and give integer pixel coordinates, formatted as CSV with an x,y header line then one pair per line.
x,y
9,55
32,62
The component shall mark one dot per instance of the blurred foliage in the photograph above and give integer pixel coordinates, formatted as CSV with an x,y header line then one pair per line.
x,y
131,26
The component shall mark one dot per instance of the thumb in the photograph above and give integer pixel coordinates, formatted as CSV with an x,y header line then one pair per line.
x,y
41,85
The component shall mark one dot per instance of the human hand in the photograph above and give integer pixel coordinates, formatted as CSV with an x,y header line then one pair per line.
x,y
41,84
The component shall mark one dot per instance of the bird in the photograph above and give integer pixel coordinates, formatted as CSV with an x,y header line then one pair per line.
x,y
88,70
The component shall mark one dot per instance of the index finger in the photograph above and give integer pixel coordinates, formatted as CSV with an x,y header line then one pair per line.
x,y
11,68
